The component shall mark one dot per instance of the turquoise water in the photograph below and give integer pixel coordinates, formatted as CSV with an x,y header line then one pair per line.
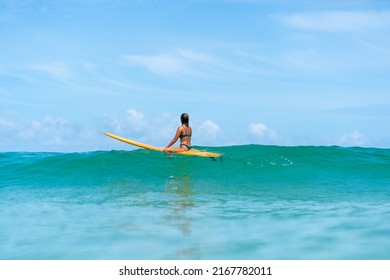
x,y
257,202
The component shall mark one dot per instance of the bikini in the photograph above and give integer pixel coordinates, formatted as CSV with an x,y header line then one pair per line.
x,y
185,135
188,147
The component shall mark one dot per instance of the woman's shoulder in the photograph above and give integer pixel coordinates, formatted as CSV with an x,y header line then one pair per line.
x,y
180,129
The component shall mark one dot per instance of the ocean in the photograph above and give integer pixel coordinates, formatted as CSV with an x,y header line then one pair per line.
x,y
256,202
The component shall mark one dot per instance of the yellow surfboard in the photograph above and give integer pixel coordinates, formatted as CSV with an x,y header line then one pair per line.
x,y
192,152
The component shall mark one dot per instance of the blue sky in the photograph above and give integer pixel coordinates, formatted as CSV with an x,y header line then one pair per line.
x,y
247,72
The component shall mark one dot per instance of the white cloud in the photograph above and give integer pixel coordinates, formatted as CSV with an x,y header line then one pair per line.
x,y
110,124
46,134
60,134
352,139
8,124
262,132
210,128
340,21
135,119
5,123
258,129
50,131
208,133
132,122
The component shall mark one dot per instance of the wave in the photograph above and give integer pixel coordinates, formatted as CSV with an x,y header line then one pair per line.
x,y
240,166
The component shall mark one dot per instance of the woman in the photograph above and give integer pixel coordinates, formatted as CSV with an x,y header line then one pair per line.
x,y
184,132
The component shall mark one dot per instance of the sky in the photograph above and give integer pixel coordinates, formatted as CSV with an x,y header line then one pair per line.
x,y
268,72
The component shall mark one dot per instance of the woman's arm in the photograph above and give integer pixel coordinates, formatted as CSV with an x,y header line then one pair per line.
x,y
173,141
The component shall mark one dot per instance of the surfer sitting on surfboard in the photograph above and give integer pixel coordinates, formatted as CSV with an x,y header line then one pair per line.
x,y
184,132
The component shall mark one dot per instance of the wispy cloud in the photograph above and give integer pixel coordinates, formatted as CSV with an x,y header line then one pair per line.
x,y
159,64
182,62
308,59
339,21
171,63
380,111
378,48
57,70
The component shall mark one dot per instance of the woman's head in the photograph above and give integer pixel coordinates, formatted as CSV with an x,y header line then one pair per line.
x,y
185,119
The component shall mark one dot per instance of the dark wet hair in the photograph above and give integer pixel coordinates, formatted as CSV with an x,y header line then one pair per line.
x,y
185,119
